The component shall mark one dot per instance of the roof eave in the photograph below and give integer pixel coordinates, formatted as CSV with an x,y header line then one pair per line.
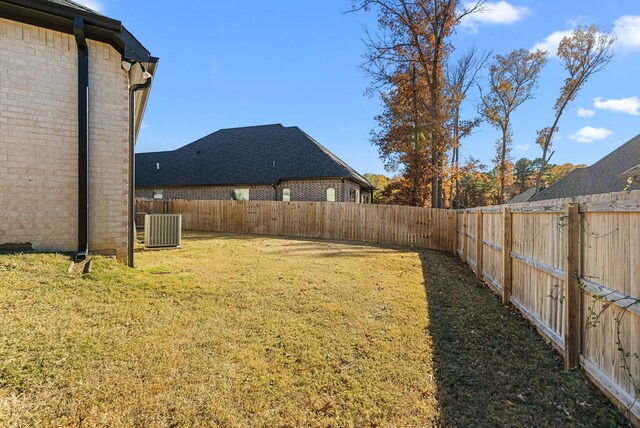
x,y
176,186
368,186
144,97
58,17
630,173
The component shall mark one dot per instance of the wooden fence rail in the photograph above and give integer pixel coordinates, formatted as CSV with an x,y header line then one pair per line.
x,y
559,262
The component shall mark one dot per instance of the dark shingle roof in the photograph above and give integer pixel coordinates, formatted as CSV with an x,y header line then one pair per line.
x,y
601,177
74,5
250,155
524,196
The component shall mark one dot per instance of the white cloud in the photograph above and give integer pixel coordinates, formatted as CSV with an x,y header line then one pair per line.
x,y
494,13
523,147
627,32
629,105
585,112
576,21
589,134
92,4
551,42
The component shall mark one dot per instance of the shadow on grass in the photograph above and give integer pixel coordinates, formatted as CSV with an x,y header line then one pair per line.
x,y
491,367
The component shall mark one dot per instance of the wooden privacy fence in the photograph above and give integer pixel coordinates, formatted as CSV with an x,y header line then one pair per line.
x,y
150,206
561,262
384,224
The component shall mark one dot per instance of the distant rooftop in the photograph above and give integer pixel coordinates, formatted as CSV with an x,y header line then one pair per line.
x,y
250,155
603,176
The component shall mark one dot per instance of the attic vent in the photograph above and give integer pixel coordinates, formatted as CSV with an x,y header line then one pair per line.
x,y
157,166
196,153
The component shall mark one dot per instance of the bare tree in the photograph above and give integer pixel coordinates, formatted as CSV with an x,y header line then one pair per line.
x,y
584,53
512,81
461,77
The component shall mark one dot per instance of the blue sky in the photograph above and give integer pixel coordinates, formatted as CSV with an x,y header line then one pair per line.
x,y
226,64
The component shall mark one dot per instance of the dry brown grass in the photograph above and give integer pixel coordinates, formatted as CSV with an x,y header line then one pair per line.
x,y
229,331
256,331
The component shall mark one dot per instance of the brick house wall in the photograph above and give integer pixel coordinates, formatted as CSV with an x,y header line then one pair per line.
x,y
39,141
256,193
300,190
311,190
347,188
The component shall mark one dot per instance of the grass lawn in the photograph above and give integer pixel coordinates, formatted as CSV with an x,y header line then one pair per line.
x,y
257,331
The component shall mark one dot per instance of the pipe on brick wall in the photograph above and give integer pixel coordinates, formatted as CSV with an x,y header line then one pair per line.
x,y
132,165
83,138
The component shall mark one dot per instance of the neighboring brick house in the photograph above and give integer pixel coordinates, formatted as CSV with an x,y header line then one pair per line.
x,y
263,163
67,77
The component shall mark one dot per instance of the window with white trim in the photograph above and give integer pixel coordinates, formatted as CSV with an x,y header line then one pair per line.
x,y
286,194
240,195
331,194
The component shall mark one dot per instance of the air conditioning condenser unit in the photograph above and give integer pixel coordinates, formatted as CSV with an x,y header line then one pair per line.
x,y
162,230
